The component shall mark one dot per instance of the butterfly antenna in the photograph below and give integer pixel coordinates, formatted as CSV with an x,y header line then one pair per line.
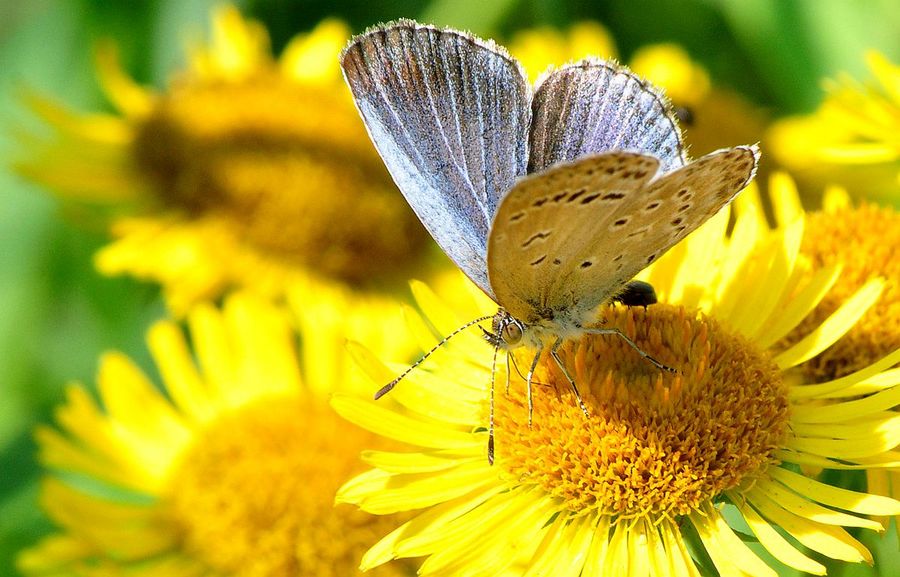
x,y
491,420
387,388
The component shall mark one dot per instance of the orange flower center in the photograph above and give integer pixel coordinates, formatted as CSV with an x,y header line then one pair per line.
x,y
656,444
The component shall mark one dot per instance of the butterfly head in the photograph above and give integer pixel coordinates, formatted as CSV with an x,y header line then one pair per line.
x,y
507,332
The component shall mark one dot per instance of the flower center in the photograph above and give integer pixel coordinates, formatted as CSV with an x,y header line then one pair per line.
x,y
865,241
254,496
656,444
290,168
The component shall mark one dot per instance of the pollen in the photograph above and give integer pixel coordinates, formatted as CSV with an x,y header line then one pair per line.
x,y
254,495
288,166
864,240
655,444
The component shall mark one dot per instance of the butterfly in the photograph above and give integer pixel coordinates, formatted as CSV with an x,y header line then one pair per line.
x,y
549,198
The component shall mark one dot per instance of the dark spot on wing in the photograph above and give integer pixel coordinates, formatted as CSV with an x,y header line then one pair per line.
x,y
537,236
651,206
682,193
618,258
683,207
587,264
613,196
576,194
677,221
651,258
540,202
538,261
590,198
516,217
621,222
557,261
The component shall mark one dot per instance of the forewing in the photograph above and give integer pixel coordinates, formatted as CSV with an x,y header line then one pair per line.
x,y
596,106
584,252
449,115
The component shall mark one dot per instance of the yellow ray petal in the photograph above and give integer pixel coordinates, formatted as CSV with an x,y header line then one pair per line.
x,y
433,520
799,305
176,365
848,410
834,327
778,546
563,550
596,557
392,425
835,387
805,508
862,503
830,541
727,551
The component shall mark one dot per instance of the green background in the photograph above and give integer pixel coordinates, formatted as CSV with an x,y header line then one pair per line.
x,y
57,316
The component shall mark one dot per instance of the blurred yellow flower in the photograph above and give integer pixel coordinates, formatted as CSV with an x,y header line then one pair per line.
x,y
229,470
712,117
851,140
863,240
246,172
666,462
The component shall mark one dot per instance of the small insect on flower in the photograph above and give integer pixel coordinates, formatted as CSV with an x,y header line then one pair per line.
x,y
549,199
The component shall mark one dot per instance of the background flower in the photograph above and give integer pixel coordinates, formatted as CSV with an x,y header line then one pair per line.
x,y
228,469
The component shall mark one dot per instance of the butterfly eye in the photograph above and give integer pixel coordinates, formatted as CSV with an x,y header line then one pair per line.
x,y
511,333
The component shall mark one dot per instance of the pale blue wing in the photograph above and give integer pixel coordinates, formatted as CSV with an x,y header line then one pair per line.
x,y
596,106
449,115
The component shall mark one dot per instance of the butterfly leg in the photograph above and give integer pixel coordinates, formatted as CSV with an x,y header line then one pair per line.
x,y
555,354
507,372
534,363
491,411
632,344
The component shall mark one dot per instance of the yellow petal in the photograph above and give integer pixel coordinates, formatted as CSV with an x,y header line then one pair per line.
x,y
432,520
390,424
862,503
848,410
778,546
799,305
834,327
830,541
805,508
836,386
728,552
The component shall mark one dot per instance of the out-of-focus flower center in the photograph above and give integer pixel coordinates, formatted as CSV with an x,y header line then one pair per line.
x,y
291,169
656,444
254,495
864,240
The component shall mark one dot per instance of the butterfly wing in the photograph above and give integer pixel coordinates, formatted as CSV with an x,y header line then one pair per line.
x,y
449,115
567,239
595,106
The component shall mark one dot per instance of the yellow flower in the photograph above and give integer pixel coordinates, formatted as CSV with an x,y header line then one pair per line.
x,y
246,172
838,235
851,140
713,117
229,470
666,463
